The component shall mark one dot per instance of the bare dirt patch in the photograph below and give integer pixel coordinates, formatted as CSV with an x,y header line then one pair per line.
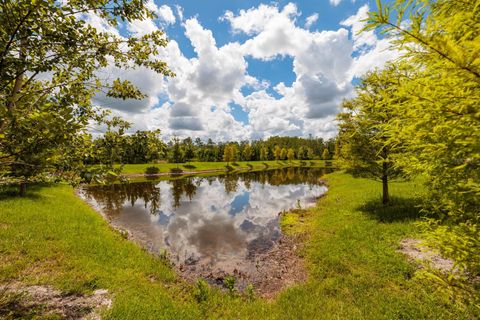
x,y
416,251
20,301
268,271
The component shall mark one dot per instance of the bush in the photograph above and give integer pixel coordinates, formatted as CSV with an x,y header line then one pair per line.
x,y
249,166
189,166
235,164
229,168
176,171
152,170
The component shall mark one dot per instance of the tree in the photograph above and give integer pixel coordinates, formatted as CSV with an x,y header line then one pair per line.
x,y
263,153
229,153
277,152
366,147
310,154
290,154
49,62
247,152
283,153
325,154
439,126
177,152
188,147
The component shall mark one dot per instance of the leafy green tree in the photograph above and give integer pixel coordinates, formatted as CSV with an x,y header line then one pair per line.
x,y
283,153
49,58
247,152
263,153
366,147
325,154
290,154
439,124
310,153
277,152
177,154
189,149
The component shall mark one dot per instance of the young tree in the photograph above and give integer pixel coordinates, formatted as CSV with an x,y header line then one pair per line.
x,y
177,153
189,149
283,154
228,153
247,152
277,152
325,154
290,154
439,123
366,146
263,153
310,154
49,62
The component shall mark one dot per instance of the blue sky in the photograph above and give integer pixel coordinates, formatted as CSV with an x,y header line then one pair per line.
x,y
251,69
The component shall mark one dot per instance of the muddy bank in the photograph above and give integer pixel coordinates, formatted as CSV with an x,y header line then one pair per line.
x,y
268,271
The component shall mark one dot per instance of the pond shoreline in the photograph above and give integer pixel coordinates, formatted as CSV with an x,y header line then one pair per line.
x,y
269,270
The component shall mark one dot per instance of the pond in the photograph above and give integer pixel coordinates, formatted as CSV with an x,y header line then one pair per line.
x,y
209,225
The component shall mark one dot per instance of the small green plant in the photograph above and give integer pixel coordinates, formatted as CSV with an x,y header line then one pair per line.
x,y
163,254
229,283
152,170
250,292
189,166
202,291
299,205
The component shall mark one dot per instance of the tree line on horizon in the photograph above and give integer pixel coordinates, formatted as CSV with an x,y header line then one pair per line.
x,y
147,147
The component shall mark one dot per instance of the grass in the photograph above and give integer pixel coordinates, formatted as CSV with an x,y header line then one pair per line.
x,y
204,166
53,237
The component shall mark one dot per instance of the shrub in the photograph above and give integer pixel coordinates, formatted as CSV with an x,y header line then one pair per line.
x,y
176,171
152,170
229,168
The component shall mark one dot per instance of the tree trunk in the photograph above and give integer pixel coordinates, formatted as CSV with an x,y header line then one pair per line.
x,y
22,189
386,196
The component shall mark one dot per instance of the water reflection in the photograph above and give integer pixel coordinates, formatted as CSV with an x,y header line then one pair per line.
x,y
216,221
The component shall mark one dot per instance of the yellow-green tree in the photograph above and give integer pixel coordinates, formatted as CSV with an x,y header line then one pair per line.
x,y
290,154
438,123
283,153
325,154
277,152
366,148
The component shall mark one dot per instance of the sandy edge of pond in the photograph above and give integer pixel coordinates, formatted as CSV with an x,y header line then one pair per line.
x,y
276,269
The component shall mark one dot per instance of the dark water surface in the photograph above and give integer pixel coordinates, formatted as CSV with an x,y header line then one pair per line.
x,y
219,221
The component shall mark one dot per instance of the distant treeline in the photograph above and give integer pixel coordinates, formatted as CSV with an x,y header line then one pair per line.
x,y
148,147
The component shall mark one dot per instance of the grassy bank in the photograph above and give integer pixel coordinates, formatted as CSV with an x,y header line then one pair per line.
x,y
52,237
206,166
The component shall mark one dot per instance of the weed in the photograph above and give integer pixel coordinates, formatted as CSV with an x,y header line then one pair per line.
x,y
202,291
229,283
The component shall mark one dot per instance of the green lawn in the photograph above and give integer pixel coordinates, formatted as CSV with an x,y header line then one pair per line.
x,y
52,237
202,166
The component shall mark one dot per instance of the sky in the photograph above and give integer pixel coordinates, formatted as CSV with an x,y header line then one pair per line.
x,y
248,69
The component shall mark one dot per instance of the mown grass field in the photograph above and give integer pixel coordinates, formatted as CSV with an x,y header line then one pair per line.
x,y
355,272
205,166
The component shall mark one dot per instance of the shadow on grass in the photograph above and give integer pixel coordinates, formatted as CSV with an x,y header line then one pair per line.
x,y
7,192
399,209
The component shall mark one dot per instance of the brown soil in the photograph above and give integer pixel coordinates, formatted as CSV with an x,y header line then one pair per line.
x,y
416,251
20,301
269,272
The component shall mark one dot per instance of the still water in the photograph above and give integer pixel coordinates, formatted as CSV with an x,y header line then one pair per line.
x,y
218,222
